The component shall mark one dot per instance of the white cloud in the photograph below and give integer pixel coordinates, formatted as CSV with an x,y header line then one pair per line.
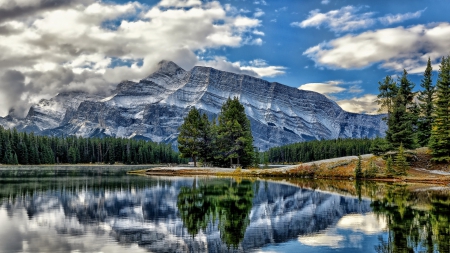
x,y
256,32
256,42
342,20
261,2
257,67
325,2
180,3
355,89
395,48
96,44
329,87
398,18
365,104
258,13
349,18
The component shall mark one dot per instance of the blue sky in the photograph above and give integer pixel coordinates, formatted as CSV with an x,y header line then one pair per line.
x,y
341,48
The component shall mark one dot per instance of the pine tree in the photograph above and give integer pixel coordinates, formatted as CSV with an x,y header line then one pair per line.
x,y
14,159
234,137
189,139
400,162
402,120
358,169
426,107
440,132
111,152
388,90
389,167
379,146
207,139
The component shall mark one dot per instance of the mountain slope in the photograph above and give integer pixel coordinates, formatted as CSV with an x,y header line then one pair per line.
x,y
154,108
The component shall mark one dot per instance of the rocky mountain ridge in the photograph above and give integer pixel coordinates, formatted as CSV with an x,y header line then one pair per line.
x,y
154,108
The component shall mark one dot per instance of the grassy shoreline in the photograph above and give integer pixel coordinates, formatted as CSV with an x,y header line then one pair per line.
x,y
336,169
67,170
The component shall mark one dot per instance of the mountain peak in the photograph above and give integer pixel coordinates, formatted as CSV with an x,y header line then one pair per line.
x,y
169,67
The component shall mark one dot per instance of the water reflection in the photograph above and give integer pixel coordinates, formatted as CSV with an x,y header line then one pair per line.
x,y
135,214
417,221
225,201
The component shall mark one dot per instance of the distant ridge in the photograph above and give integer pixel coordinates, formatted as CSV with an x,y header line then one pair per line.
x,y
154,108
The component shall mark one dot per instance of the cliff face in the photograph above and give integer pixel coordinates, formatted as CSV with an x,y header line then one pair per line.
x,y
154,108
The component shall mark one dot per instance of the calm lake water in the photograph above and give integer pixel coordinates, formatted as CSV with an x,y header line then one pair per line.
x,y
168,214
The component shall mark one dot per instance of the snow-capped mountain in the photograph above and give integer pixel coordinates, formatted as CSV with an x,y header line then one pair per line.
x,y
154,108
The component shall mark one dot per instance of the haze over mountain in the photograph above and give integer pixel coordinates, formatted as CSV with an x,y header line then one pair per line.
x,y
154,108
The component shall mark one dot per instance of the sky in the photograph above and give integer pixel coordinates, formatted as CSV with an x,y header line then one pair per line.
x,y
340,48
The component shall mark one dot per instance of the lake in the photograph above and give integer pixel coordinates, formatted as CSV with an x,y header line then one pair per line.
x,y
183,214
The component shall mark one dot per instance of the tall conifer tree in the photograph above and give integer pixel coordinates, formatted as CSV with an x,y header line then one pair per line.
x,y
189,139
426,106
388,90
234,136
402,120
440,132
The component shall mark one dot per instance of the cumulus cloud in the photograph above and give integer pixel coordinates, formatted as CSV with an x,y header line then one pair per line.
x,y
394,48
349,18
365,104
261,2
325,2
14,9
329,87
258,13
334,86
257,67
100,43
12,84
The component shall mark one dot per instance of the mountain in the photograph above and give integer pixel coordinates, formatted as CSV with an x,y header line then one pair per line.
x,y
154,108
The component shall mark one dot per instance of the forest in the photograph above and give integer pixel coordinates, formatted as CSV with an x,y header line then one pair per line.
x,y
414,119
316,150
28,148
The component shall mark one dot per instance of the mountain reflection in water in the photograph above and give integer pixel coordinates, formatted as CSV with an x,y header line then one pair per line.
x,y
134,214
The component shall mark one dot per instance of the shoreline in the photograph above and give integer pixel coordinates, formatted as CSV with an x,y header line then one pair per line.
x,y
262,174
341,168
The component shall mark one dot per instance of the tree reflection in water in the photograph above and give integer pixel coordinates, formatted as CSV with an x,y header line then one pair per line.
x,y
416,223
223,200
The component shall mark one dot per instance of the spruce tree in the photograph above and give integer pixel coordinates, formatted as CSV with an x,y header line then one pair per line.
x,y
358,169
402,120
207,139
388,90
189,139
401,164
389,167
234,136
440,132
426,107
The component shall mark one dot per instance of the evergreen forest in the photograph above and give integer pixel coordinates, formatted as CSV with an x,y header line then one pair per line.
x,y
28,148
414,119
316,150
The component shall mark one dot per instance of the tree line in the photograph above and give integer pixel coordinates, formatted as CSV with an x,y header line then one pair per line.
x,y
316,150
28,148
225,142
417,119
